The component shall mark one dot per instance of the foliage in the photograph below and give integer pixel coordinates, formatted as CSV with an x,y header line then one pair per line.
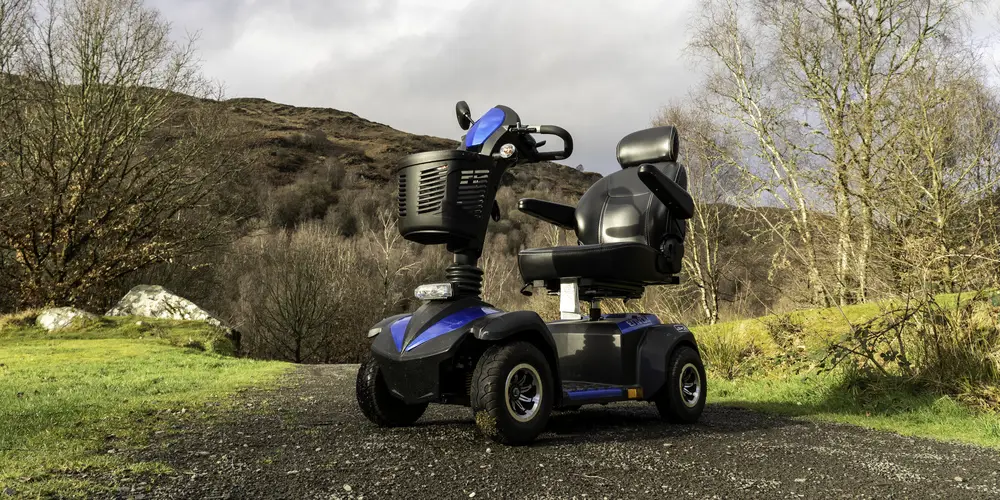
x,y
951,346
107,168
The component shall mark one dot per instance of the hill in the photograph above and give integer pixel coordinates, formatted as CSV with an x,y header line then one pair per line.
x,y
294,144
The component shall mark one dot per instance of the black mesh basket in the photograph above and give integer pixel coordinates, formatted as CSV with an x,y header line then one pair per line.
x,y
445,197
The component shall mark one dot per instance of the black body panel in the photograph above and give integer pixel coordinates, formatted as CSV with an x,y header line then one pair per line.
x,y
654,352
503,326
617,351
435,335
595,351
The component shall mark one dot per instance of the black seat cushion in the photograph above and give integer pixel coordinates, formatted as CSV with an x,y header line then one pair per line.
x,y
621,262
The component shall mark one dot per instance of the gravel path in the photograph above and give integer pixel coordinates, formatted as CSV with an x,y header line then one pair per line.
x,y
312,442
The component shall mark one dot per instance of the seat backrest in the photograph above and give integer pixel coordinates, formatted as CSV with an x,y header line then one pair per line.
x,y
620,208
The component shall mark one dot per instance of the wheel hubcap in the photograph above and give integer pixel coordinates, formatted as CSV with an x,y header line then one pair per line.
x,y
523,392
690,385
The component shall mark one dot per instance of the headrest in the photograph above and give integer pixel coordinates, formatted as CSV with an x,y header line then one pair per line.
x,y
652,145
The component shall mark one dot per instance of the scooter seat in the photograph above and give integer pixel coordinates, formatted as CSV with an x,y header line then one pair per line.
x,y
620,262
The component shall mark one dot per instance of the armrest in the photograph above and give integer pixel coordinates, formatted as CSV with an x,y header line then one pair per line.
x,y
561,215
676,198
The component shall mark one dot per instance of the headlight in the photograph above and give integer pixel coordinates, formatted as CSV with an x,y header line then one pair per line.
x,y
374,331
433,291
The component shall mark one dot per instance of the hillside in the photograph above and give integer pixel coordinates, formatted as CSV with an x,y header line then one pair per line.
x,y
294,140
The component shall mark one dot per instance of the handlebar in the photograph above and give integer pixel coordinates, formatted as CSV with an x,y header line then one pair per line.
x,y
558,132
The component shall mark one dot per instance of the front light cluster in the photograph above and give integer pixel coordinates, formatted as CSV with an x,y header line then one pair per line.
x,y
433,291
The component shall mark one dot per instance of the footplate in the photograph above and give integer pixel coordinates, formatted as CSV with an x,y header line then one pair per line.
x,y
588,392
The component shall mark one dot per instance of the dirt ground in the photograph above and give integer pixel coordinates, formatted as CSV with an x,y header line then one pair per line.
x,y
311,441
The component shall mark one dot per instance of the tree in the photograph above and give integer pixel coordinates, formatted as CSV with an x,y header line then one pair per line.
x,y
293,292
815,83
705,152
740,90
109,167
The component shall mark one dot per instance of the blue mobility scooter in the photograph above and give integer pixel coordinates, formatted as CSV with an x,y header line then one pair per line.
x,y
512,368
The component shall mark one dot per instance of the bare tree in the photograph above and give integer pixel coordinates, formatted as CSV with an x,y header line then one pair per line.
x,y
293,293
390,258
814,82
706,154
744,94
112,168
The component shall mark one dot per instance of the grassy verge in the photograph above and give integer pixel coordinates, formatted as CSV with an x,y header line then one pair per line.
x,y
831,398
769,364
70,400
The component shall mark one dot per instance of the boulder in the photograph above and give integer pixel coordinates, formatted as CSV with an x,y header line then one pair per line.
x,y
154,301
61,317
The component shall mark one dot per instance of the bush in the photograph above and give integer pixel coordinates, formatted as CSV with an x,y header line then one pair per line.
x,y
293,293
728,352
20,319
949,346
786,331
308,198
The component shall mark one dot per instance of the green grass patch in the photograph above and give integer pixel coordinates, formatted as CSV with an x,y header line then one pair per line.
x,y
834,397
770,364
68,397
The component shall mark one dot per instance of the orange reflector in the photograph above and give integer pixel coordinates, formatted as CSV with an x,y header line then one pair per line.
x,y
635,393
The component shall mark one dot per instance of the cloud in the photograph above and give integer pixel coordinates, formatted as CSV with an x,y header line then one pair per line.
x,y
599,69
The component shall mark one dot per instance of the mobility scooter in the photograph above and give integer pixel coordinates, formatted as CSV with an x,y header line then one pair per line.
x,y
512,368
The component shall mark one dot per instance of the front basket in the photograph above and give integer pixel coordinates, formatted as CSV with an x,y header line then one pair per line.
x,y
445,197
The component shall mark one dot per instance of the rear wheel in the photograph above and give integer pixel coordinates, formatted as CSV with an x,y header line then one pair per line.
x,y
378,404
512,393
682,398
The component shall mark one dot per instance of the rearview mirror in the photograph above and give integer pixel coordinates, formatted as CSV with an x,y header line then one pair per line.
x,y
463,114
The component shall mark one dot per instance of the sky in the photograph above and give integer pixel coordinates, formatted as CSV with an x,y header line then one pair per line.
x,y
599,68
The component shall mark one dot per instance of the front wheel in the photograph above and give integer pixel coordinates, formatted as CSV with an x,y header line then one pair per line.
x,y
512,393
378,404
682,398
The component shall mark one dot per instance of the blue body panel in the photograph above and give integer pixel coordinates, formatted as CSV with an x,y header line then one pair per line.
x,y
616,392
450,323
484,127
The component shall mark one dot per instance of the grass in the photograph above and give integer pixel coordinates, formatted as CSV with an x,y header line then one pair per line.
x,y
749,367
830,398
68,398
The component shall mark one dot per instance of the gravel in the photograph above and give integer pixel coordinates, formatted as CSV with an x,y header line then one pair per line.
x,y
309,440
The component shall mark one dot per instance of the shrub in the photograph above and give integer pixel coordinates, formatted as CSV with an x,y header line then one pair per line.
x,y
308,198
728,352
952,347
20,319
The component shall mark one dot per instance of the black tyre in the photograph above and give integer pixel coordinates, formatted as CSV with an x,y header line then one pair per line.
x,y
378,404
512,393
682,398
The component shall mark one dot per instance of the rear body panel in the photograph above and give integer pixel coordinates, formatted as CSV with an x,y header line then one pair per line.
x,y
619,357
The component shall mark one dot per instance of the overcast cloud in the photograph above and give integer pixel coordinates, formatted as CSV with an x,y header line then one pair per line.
x,y
601,69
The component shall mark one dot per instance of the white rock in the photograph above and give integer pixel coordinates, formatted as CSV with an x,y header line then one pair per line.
x,y
154,301
60,317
